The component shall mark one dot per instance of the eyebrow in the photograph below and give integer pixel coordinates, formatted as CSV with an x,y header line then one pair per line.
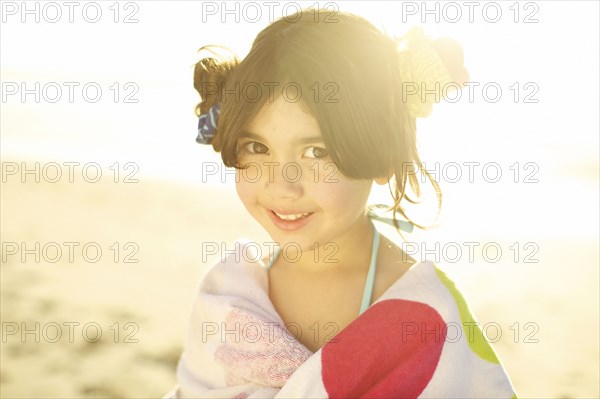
x,y
303,140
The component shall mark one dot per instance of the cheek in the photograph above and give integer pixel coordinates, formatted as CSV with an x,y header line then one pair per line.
x,y
344,197
245,190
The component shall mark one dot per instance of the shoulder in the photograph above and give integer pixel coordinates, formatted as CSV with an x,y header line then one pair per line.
x,y
423,281
426,304
428,285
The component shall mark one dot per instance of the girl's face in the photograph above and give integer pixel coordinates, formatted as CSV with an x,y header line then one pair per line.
x,y
291,186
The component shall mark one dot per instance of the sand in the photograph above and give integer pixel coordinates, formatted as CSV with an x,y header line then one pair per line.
x,y
142,308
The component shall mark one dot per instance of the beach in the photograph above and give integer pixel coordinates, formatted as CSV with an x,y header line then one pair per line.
x,y
149,284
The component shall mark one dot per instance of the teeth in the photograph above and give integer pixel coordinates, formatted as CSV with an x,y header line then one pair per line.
x,y
291,217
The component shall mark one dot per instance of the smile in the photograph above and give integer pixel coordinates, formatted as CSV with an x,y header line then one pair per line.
x,y
295,216
289,220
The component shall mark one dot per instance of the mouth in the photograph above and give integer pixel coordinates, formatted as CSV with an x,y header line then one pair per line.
x,y
289,220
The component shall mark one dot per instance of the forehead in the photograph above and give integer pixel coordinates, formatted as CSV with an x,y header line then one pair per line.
x,y
284,120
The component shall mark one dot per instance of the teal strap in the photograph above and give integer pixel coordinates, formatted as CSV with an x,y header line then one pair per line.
x,y
277,250
404,225
375,212
368,291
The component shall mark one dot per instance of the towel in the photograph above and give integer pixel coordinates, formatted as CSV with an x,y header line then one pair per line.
x,y
418,340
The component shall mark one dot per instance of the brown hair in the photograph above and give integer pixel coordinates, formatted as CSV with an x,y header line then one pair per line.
x,y
347,71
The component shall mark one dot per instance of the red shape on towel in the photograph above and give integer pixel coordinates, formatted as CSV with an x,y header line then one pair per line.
x,y
391,350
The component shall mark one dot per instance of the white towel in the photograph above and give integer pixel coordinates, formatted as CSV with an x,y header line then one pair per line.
x,y
419,339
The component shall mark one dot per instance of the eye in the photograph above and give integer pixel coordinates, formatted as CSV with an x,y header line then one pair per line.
x,y
316,152
254,147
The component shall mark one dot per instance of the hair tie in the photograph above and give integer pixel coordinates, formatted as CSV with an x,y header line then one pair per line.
x,y
426,68
207,124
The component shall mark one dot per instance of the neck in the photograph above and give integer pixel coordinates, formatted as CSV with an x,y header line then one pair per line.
x,y
349,252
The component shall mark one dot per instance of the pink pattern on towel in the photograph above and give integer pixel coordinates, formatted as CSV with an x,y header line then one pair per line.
x,y
257,350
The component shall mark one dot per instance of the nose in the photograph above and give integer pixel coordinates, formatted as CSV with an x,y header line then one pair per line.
x,y
283,181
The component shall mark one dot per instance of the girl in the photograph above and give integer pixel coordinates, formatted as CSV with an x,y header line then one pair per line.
x,y
313,115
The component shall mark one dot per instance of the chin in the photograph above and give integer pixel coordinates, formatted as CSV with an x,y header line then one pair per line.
x,y
292,240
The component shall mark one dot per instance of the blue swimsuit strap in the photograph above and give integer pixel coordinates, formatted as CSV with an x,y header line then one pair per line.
x,y
368,291
275,254
403,225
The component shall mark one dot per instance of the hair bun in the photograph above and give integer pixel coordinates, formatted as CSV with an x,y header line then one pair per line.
x,y
210,74
452,55
427,65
